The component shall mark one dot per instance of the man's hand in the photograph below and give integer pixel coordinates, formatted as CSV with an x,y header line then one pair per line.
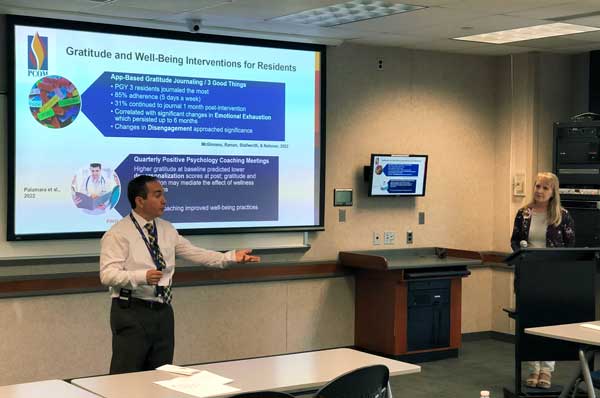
x,y
153,276
243,256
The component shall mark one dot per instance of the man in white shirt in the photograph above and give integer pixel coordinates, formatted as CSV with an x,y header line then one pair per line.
x,y
137,262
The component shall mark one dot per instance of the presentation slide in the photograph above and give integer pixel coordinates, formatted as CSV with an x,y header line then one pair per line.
x,y
398,175
232,131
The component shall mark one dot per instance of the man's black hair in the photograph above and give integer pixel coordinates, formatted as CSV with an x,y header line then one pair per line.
x,y
137,187
99,165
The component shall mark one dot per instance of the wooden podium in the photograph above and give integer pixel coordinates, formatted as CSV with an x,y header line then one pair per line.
x,y
552,287
408,302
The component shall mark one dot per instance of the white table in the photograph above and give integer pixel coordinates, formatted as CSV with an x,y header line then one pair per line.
x,y
45,389
291,372
576,333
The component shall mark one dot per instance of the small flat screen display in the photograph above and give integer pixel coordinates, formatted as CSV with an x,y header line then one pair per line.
x,y
398,175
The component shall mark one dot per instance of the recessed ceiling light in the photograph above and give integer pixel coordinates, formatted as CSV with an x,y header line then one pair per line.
x,y
528,33
343,13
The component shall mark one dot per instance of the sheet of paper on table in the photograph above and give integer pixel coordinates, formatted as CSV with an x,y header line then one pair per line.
x,y
590,326
201,384
180,370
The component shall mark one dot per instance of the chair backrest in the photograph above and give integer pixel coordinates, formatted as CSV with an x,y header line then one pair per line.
x,y
595,378
367,382
263,394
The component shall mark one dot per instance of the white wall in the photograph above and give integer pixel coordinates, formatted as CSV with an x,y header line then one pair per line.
x,y
443,105
68,336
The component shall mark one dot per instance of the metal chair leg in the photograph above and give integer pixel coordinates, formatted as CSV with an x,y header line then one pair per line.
x,y
584,360
571,385
580,376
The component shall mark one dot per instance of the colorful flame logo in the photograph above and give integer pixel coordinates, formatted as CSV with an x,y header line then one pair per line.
x,y
37,52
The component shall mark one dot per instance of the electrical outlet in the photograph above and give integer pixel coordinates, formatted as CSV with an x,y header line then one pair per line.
x,y
409,237
379,63
389,237
376,238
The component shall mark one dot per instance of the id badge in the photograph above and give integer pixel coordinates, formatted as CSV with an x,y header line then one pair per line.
x,y
125,298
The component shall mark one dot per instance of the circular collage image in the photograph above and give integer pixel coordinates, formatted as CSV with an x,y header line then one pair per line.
x,y
54,101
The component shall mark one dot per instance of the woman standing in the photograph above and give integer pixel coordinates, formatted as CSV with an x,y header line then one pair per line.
x,y
543,223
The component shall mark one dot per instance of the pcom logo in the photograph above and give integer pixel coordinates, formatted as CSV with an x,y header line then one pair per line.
x,y
37,55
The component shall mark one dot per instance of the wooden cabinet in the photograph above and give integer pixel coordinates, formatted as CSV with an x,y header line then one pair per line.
x,y
384,280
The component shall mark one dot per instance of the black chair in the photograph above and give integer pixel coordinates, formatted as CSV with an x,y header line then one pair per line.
x,y
579,380
263,394
367,382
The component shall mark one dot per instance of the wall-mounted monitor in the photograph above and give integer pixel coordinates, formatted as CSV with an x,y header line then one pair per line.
x,y
232,127
397,175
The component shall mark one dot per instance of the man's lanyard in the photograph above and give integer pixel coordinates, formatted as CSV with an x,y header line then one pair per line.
x,y
153,254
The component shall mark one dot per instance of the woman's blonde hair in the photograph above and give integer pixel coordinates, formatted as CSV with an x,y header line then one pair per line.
x,y
554,214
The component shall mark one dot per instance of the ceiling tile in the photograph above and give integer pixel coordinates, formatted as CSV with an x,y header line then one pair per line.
x,y
279,27
492,7
559,10
8,6
461,47
383,39
587,21
304,30
415,20
577,49
494,49
172,6
430,3
549,43
447,45
262,9
586,36
476,26
120,11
